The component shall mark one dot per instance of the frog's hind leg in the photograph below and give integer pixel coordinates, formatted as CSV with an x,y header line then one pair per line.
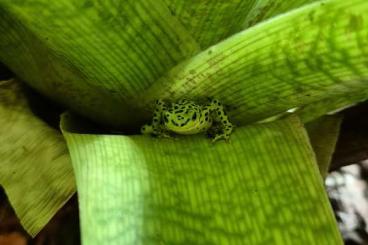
x,y
220,117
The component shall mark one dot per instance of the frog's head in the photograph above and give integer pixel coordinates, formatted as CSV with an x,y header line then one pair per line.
x,y
181,120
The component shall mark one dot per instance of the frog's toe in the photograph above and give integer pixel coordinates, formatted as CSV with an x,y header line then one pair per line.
x,y
220,137
146,129
164,135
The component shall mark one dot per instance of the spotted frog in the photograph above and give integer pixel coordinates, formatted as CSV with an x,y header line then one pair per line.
x,y
186,117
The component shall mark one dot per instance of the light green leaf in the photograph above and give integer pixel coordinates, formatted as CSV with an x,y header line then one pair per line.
x,y
311,54
323,134
262,188
35,166
90,54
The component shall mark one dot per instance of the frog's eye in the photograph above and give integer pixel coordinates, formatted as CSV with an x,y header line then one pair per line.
x,y
194,116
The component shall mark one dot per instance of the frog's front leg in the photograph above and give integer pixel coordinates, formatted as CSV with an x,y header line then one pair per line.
x,y
220,117
156,127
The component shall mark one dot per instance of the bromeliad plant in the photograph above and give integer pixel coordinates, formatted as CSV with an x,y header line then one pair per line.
x,y
110,60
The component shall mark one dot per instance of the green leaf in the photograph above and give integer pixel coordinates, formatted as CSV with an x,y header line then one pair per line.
x,y
35,165
313,111
92,55
323,134
265,9
262,188
97,58
211,21
304,56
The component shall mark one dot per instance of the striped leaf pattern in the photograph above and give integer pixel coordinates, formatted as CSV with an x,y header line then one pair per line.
x,y
262,188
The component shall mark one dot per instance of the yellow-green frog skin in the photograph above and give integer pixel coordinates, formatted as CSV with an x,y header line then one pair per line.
x,y
186,117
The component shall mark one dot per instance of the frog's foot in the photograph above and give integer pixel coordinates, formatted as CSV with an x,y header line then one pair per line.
x,y
147,129
221,137
157,132
164,135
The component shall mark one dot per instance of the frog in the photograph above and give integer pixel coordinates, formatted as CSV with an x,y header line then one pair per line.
x,y
186,117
